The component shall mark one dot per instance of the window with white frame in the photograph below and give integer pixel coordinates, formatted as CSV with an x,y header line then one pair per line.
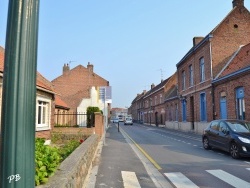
x,y
160,98
191,75
43,113
183,75
202,69
155,100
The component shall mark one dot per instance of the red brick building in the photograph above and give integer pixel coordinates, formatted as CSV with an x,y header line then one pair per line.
x,y
197,69
171,101
75,84
137,108
45,103
231,87
79,88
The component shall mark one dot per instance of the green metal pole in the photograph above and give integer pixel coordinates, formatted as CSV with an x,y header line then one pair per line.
x,y
19,96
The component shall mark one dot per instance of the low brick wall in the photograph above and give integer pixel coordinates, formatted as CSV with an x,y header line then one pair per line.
x,y
74,130
74,170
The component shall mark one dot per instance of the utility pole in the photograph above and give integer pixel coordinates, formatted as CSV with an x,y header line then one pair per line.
x,y
17,162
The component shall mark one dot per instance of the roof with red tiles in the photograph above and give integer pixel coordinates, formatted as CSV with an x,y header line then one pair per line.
x,y
41,81
238,61
60,103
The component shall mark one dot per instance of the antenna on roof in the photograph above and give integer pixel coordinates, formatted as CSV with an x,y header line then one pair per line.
x,y
161,73
71,62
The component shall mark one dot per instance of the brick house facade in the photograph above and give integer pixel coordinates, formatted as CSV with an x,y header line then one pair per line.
x,y
77,87
171,101
150,106
212,76
45,104
137,108
75,84
231,87
204,61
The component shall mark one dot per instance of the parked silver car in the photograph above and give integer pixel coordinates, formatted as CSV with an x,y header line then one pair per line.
x,y
115,120
128,121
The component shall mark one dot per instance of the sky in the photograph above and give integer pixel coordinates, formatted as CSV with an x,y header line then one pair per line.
x,y
131,43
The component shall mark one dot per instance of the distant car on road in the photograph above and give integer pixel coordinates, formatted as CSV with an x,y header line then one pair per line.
x,y
128,121
121,118
232,136
115,120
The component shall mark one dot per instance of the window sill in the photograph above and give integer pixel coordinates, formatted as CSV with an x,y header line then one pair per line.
x,y
43,129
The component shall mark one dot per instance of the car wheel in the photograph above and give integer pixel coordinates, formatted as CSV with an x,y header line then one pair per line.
x,y
234,151
206,143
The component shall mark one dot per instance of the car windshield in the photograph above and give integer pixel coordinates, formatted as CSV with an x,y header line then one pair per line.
x,y
238,126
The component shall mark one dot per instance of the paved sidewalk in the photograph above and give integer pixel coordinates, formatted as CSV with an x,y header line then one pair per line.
x,y
114,158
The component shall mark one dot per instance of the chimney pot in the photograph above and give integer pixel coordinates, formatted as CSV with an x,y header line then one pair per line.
x,y
152,86
66,68
238,3
90,67
196,40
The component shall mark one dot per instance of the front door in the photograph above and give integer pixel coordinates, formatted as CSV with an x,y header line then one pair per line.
x,y
223,107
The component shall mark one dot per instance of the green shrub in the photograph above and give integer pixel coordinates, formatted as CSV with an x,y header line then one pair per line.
x,y
90,115
48,158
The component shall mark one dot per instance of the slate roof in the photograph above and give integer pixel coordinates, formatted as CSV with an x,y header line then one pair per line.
x,y
156,88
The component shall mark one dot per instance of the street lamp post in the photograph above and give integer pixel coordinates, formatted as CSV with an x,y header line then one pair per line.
x,y
17,168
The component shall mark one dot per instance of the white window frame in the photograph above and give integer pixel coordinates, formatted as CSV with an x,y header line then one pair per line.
x,y
183,74
155,100
46,125
160,98
202,69
191,76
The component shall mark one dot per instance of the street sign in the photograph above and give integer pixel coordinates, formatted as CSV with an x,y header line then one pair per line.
x,y
105,94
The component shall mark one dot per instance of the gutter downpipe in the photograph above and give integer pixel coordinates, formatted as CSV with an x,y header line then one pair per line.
x,y
212,85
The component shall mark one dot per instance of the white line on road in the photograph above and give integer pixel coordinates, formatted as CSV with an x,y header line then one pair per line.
x,y
180,181
228,178
130,180
248,168
159,180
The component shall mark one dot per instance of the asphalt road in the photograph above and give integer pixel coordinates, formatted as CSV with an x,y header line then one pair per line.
x,y
148,156
182,158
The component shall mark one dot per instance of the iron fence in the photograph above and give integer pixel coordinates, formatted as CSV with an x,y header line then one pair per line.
x,y
73,119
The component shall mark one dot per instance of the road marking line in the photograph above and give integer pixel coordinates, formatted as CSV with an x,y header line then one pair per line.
x,y
144,152
229,178
130,180
248,168
180,181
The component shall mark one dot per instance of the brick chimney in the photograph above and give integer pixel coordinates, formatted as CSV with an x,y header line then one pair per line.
x,y
196,40
90,67
152,86
238,3
66,68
